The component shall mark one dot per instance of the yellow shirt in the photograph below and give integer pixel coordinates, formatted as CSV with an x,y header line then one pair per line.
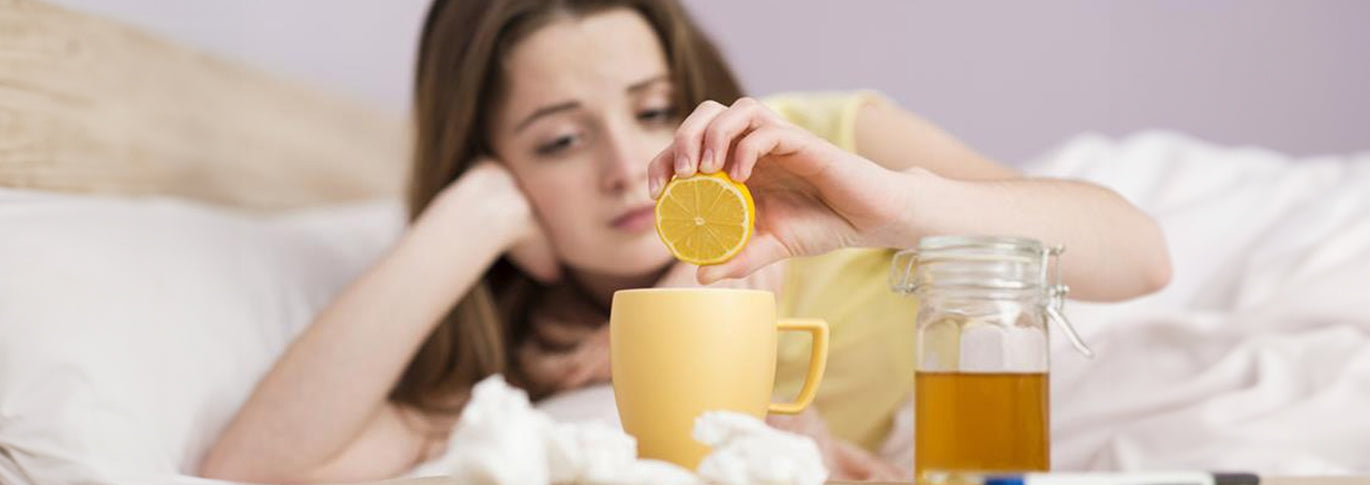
x,y
871,347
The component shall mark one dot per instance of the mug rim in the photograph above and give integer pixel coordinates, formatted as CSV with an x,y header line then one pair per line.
x,y
683,290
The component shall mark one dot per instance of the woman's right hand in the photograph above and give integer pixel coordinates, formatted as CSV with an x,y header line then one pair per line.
x,y
489,186
811,196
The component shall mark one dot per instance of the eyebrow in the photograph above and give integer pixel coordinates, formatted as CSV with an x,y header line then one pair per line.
x,y
645,83
570,105
546,111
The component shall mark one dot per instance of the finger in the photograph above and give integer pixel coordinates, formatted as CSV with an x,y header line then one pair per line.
x,y
743,116
852,464
535,357
601,371
659,170
589,365
690,135
783,422
680,275
761,251
550,372
543,369
598,368
562,335
751,148
578,377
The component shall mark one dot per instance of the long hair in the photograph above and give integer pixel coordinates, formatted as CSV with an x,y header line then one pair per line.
x,y
458,82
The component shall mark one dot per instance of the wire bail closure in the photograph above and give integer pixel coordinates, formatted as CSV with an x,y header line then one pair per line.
x,y
903,281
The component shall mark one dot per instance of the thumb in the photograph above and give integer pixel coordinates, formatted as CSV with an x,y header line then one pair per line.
x,y
760,252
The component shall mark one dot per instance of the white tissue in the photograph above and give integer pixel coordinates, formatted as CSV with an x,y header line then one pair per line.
x,y
746,451
501,439
597,454
588,453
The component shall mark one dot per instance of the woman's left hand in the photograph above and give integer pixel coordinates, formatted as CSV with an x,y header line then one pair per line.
x,y
845,461
811,196
568,347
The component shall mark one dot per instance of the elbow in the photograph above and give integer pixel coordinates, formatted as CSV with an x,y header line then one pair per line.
x,y
1157,272
1158,275
217,466
221,464
1147,268
254,462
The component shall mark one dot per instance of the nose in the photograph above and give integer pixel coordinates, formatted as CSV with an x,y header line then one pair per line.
x,y
625,158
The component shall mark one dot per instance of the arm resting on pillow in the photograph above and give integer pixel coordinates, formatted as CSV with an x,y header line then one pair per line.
x,y
322,412
1115,251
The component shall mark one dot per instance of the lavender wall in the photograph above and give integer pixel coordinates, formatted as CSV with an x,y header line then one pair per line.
x,y
1012,78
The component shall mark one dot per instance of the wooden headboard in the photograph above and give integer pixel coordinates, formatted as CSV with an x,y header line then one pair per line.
x,y
93,106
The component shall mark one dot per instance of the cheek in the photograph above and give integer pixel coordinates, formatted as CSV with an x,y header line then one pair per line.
x,y
562,209
565,199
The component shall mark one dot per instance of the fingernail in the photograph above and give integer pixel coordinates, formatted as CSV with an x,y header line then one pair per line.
x,y
652,186
682,165
706,163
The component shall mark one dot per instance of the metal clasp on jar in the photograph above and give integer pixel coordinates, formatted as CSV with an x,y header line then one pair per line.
x,y
903,280
1056,300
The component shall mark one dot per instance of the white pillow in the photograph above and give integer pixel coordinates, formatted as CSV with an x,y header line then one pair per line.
x,y
132,329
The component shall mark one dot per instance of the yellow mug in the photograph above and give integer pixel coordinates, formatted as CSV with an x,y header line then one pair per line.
x,y
678,352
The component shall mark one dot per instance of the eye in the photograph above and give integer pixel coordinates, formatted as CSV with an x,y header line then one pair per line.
x,y
657,115
557,145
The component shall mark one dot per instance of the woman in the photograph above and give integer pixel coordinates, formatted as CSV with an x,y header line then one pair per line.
x,y
531,204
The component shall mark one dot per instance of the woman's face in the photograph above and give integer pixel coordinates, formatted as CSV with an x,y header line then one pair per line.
x,y
588,103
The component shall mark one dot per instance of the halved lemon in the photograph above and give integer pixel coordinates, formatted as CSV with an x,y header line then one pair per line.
x,y
705,219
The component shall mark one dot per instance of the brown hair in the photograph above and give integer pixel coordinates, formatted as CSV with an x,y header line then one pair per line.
x,y
457,85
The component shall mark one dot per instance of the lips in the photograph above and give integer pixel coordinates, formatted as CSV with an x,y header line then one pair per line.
x,y
635,219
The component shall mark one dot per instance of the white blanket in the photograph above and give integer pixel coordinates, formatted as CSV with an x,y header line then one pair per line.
x,y
1257,356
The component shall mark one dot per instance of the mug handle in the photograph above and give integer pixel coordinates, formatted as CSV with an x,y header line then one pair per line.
x,y
818,362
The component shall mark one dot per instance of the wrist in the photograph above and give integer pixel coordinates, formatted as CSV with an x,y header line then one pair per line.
x,y
922,195
480,204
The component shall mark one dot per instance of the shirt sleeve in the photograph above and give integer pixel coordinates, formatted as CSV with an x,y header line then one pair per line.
x,y
829,114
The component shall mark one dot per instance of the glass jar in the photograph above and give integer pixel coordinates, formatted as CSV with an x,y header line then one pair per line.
x,y
981,386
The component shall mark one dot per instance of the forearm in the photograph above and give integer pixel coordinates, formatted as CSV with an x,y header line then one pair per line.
x,y
1114,251
898,140
334,379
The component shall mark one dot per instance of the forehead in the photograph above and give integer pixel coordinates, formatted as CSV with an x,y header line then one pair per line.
x,y
581,58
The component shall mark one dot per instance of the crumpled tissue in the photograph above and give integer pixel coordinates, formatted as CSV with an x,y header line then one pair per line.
x,y
501,439
747,452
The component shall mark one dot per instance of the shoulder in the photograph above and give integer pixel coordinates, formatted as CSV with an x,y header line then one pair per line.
x,y
831,115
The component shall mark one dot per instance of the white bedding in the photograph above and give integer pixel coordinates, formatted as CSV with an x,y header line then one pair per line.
x,y
132,329
1257,356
